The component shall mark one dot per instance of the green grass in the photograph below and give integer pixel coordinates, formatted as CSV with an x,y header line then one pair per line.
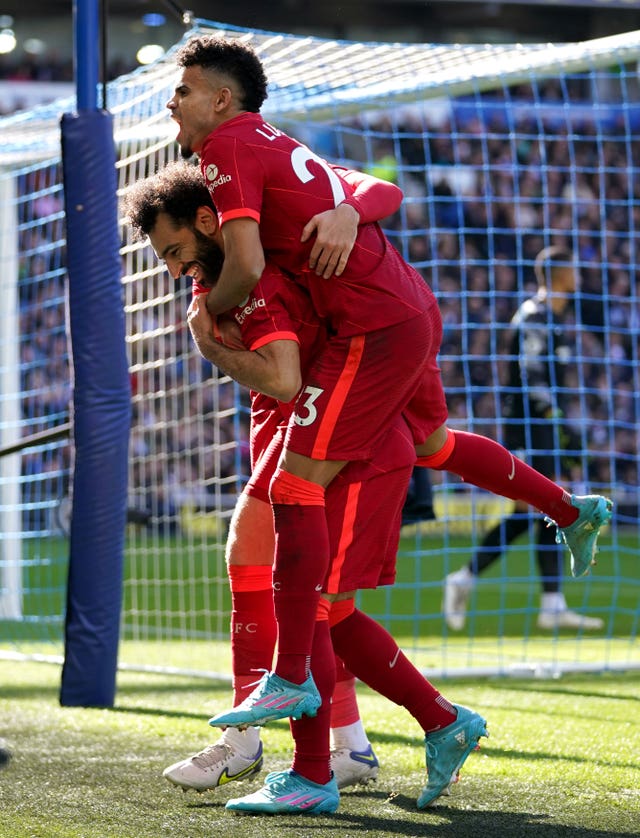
x,y
179,583
177,587
562,760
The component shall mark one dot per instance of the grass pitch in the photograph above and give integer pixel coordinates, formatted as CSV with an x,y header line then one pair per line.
x,y
561,760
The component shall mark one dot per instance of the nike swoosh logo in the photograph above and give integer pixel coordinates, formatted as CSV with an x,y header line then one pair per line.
x,y
318,587
366,759
395,659
513,468
225,777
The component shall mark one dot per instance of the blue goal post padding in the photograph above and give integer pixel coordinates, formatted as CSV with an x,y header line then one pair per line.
x,y
101,411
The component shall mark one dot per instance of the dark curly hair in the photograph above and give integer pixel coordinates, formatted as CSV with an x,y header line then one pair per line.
x,y
232,58
177,190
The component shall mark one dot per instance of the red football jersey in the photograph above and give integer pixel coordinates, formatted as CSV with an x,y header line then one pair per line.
x,y
276,309
254,170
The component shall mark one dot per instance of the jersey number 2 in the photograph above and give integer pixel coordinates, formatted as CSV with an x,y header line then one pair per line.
x,y
300,157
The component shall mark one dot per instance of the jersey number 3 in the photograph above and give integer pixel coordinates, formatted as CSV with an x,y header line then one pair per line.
x,y
306,406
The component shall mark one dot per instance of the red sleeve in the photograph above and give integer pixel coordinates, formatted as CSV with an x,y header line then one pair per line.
x,y
265,317
234,176
272,336
372,198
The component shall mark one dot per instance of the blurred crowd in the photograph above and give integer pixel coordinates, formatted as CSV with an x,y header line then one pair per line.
x,y
485,191
50,66
494,195
27,81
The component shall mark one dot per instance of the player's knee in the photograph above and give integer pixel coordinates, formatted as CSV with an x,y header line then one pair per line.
x,y
289,489
250,540
437,449
323,610
340,610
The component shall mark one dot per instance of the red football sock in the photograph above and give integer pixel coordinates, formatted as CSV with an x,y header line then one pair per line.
x,y
301,563
344,704
311,756
374,657
485,463
253,625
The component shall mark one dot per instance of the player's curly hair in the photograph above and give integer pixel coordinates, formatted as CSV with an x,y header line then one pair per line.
x,y
177,190
232,58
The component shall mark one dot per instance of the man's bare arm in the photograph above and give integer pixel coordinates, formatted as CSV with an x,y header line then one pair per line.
x,y
274,369
243,265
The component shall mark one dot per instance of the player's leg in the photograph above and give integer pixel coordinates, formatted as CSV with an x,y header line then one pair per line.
x,y
451,731
554,611
301,561
308,786
486,463
459,584
364,508
237,755
250,547
372,508
489,465
301,558
353,759
311,735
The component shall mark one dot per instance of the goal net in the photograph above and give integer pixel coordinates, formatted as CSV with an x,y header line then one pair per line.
x,y
500,151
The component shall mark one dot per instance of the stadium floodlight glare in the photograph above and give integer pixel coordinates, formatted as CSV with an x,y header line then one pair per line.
x,y
7,41
149,53
34,46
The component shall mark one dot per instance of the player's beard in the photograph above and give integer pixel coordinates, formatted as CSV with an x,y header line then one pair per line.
x,y
209,258
186,149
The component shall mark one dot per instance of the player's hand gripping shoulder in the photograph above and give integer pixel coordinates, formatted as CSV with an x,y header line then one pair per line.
x,y
336,231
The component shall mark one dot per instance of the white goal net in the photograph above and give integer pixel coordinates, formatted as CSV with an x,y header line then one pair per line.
x,y
500,150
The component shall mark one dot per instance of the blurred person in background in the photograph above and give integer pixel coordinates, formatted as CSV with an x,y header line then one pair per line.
x,y
539,353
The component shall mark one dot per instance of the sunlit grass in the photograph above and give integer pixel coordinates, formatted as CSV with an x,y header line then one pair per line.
x,y
561,760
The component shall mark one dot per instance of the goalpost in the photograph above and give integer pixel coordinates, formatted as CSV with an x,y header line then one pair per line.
x,y
10,559
500,150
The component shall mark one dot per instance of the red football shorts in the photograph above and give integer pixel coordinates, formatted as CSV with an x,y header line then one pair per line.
x,y
358,386
363,507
